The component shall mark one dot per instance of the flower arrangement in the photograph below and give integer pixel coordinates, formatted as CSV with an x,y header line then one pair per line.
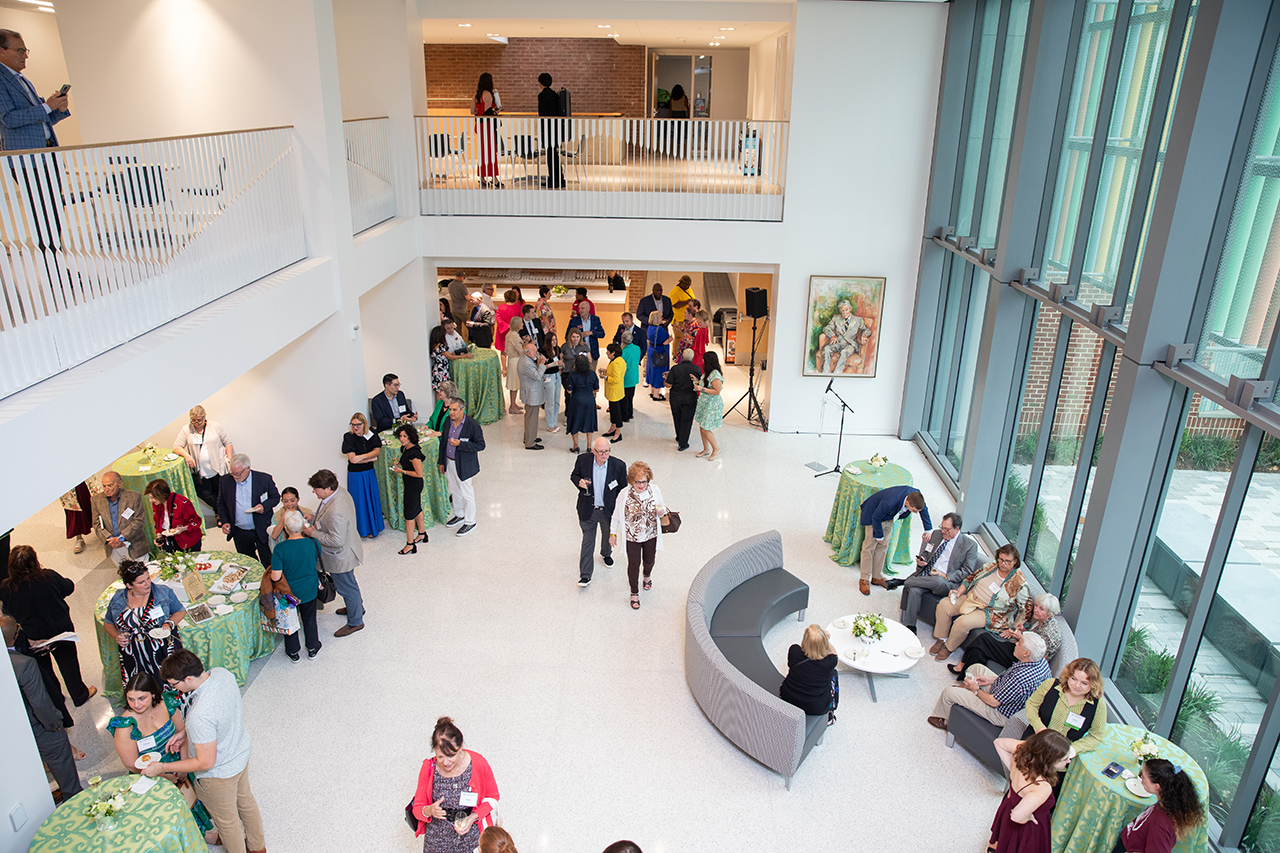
x,y
869,626
559,289
175,565
1144,748
105,810
879,461
150,450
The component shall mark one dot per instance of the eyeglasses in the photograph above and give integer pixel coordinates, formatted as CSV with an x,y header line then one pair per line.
x,y
21,51
642,482
356,424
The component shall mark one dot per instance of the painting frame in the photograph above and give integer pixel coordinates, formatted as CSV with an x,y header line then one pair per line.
x,y
858,357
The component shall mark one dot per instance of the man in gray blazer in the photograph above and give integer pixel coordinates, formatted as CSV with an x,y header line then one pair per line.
x,y
946,558
530,368
334,526
45,719
118,521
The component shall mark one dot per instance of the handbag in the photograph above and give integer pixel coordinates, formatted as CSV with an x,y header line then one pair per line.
x,y
660,358
328,590
672,522
410,818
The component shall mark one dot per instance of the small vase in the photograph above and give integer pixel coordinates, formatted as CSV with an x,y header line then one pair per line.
x,y
869,642
105,823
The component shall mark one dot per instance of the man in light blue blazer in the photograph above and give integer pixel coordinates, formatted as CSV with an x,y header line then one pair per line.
x,y
26,119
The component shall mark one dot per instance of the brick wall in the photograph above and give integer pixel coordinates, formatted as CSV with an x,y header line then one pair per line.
x,y
602,75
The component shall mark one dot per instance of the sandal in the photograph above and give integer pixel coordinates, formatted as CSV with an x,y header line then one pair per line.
x,y
635,601
648,582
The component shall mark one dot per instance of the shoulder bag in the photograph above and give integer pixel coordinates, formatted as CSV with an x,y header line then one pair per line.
x,y
327,590
671,522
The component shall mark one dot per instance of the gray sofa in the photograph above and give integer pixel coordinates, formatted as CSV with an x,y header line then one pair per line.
x,y
733,601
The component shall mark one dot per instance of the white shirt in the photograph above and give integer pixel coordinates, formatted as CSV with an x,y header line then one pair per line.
x,y
454,343
944,560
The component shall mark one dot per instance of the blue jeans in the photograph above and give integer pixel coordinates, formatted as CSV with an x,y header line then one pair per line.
x,y
350,592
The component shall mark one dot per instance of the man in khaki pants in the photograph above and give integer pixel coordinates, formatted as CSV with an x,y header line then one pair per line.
x,y
216,734
879,511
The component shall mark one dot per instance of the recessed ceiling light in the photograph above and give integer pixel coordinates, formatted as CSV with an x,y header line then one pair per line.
x,y
464,25
48,9
612,35
604,26
38,2
491,35
730,29
710,44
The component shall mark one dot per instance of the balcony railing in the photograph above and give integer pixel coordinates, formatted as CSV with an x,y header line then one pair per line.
x,y
369,174
612,167
105,242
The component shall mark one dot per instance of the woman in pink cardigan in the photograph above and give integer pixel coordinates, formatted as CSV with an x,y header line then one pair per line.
x,y
456,794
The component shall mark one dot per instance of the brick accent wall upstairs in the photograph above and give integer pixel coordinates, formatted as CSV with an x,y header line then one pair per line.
x,y
601,75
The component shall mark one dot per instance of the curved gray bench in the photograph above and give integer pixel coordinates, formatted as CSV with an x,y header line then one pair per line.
x,y
738,596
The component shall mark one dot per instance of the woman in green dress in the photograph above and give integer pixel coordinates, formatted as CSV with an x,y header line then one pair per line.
x,y
151,724
709,415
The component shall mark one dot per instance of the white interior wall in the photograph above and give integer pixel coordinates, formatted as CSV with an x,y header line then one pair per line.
x,y
22,784
762,82
46,66
855,202
394,325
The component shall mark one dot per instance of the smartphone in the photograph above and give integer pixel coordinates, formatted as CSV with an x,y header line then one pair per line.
x,y
66,87
1112,770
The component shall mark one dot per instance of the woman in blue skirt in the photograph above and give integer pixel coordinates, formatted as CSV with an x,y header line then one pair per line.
x,y
361,447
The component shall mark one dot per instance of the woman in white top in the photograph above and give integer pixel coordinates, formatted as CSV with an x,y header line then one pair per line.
x,y
638,516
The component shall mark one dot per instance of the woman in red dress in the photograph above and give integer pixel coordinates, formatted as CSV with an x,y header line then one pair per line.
x,y
486,105
174,516
1021,824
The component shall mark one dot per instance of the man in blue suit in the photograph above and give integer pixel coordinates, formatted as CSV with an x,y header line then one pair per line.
x,y
878,511
245,503
26,119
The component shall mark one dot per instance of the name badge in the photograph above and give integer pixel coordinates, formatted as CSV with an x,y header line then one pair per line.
x,y
468,800
127,514
613,484
995,587
155,613
1075,721
147,744
401,408
262,498
196,439
928,547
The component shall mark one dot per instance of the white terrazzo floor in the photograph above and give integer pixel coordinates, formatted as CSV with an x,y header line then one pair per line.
x,y
580,704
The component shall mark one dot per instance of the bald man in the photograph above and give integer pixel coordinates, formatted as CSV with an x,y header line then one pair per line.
x,y
118,522
46,722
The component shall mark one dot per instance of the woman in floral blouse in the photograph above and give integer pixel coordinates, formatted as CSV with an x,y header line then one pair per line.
x,y
545,314
994,597
638,516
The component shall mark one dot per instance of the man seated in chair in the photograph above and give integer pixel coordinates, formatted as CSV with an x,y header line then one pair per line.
x,y
842,340
997,698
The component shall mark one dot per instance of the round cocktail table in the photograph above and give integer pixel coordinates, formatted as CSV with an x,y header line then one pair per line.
x,y
888,656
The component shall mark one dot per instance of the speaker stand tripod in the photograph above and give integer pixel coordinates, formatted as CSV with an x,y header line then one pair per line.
x,y
755,414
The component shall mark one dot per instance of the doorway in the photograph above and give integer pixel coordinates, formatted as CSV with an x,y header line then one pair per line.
x,y
692,73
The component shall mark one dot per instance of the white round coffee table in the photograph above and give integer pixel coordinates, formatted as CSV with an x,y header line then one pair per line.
x,y
887,657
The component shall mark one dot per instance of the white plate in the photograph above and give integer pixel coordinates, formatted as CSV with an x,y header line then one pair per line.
x,y
145,759
223,610
161,633
216,600
169,457
237,597
1135,787
914,653
118,585
842,624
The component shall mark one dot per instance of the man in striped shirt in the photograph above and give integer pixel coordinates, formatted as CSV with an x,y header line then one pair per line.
x,y
997,698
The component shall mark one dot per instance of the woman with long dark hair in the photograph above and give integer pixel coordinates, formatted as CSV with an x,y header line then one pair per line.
x,y
580,414
410,468
1171,818
486,104
1022,821
709,414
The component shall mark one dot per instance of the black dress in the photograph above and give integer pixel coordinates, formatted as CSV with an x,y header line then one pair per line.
x,y
581,412
810,684
412,485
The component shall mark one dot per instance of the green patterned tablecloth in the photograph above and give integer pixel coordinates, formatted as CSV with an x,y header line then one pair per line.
x,y
479,381
175,472
158,821
844,531
229,641
435,491
1092,809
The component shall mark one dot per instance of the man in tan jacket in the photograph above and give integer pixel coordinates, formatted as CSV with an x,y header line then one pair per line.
x,y
334,527
118,521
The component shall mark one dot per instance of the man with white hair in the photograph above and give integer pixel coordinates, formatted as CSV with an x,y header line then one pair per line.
x,y
993,697
844,336
684,399
118,520
246,501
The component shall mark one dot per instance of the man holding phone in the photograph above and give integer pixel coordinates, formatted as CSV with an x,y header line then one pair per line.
x,y
26,119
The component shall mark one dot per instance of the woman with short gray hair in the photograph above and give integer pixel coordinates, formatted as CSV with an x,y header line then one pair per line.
x,y
295,560
990,647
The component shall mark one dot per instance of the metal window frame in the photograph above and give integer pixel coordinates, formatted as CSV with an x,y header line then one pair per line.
x,y
989,123
968,272
935,355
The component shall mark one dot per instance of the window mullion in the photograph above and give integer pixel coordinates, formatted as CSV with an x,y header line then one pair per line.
x,y
962,314
1036,474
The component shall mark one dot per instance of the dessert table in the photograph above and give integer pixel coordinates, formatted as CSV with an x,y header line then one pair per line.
x,y
1092,809
436,507
229,641
479,381
859,481
892,655
157,821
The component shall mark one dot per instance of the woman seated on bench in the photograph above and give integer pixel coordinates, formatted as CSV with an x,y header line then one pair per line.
x,y
812,684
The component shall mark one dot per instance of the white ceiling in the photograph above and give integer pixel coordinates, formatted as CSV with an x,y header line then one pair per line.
x,y
664,34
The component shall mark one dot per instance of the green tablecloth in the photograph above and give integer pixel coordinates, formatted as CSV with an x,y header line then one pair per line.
x,y
844,531
435,491
229,641
479,381
158,820
1093,809
174,472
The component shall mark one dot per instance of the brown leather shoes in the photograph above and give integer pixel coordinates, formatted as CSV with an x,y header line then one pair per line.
x,y
341,611
942,655
880,582
347,630
864,587
938,723
937,646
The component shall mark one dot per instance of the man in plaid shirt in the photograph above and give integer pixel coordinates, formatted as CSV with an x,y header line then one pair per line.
x,y
997,698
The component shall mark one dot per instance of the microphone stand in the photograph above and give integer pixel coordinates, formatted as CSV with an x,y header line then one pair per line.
x,y
844,407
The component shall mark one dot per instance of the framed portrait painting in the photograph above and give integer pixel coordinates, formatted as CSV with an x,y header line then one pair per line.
x,y
842,334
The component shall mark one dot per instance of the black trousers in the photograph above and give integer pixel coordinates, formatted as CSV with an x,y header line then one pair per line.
x,y
51,685
628,403
682,409
987,648
69,665
207,489
637,553
248,543
307,616
586,558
